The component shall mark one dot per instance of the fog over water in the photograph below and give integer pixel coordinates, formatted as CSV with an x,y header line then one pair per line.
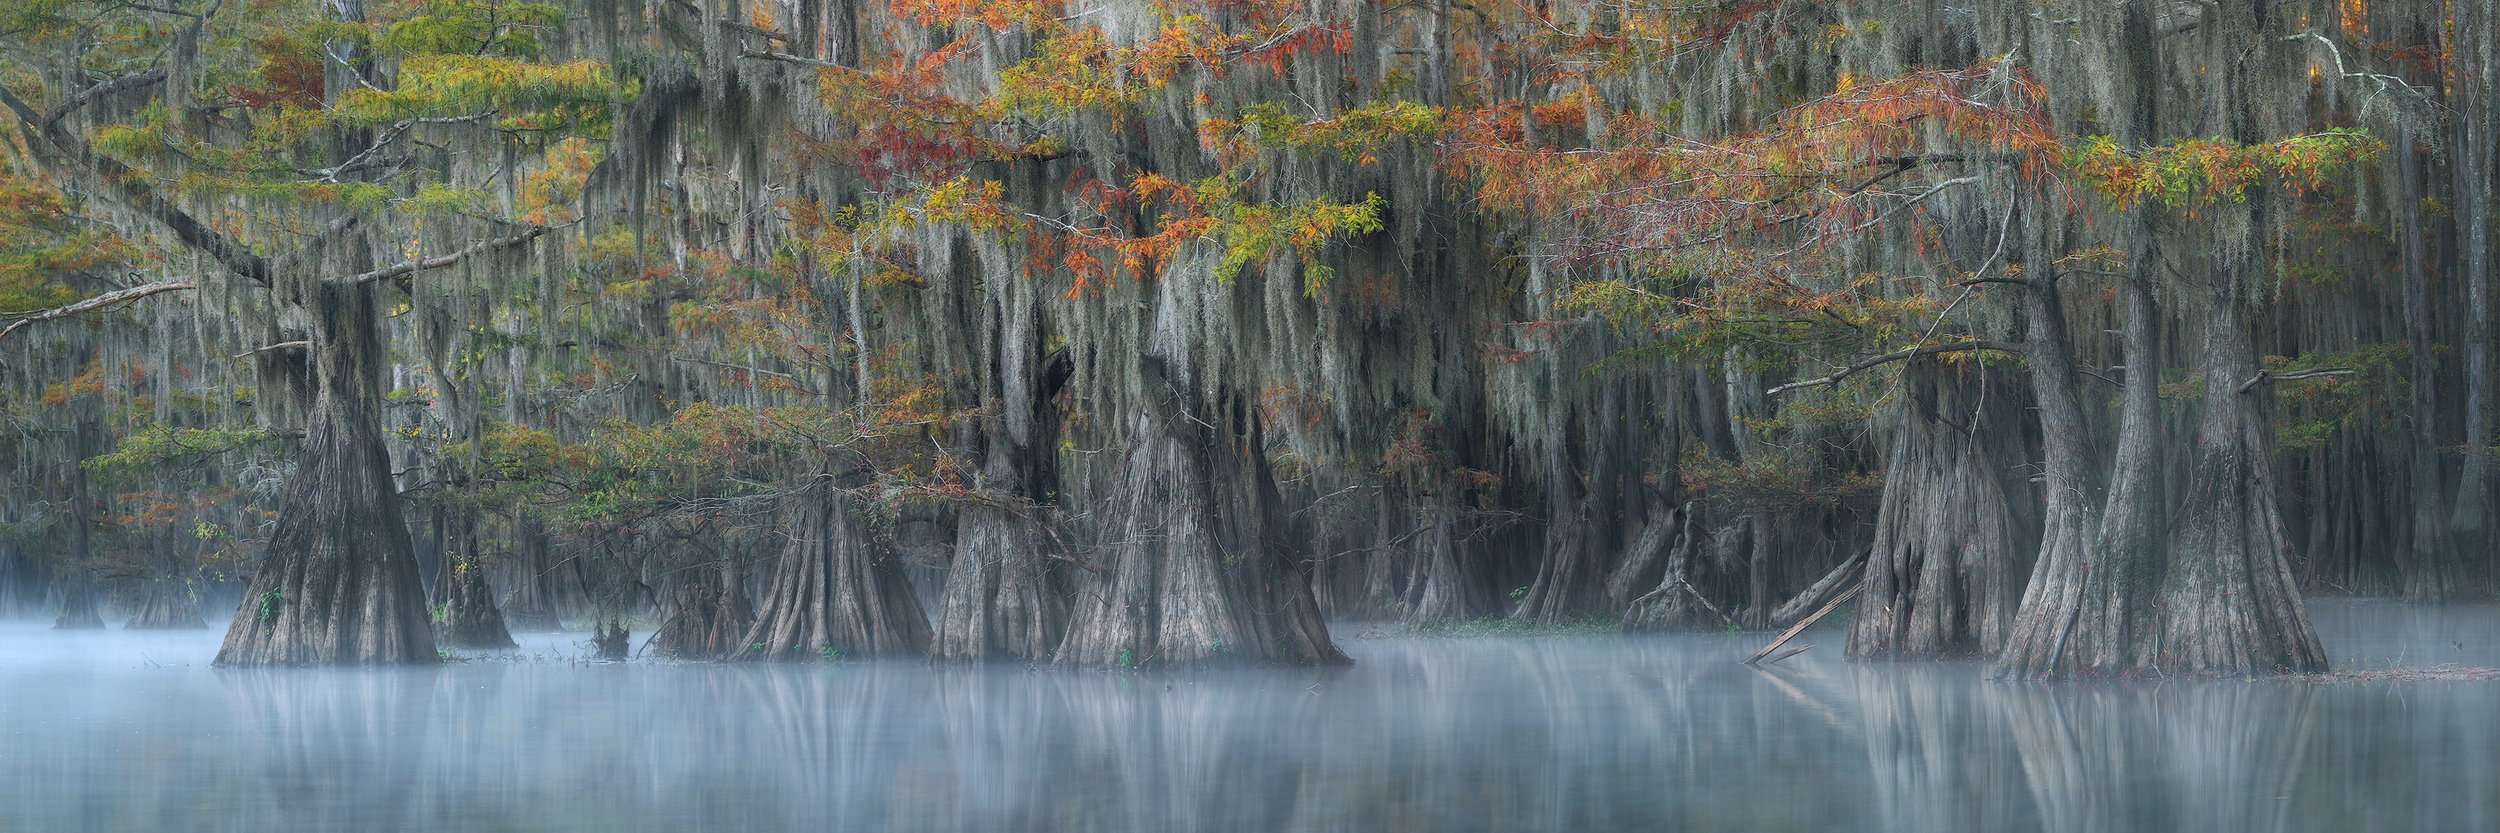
x,y
128,731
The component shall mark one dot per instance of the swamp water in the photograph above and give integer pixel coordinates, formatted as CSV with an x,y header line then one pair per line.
x,y
128,731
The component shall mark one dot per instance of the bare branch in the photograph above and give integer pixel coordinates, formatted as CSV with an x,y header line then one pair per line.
x,y
104,88
283,345
785,57
118,296
1868,364
2264,376
442,261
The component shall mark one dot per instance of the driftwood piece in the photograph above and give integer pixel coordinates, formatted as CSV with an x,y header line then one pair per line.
x,y
1807,622
1775,658
1822,590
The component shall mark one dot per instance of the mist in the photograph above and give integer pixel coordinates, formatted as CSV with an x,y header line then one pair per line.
x,y
128,730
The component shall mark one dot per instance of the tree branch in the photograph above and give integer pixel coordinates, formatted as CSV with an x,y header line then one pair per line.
x,y
441,261
763,55
49,140
104,88
1888,358
283,345
2264,376
99,302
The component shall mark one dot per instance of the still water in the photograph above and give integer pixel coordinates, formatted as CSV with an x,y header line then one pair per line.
x,y
132,732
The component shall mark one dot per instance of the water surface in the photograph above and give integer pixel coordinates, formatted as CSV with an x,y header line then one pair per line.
x,y
120,731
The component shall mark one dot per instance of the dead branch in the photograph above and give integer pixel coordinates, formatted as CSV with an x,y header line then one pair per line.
x,y
2264,376
118,296
443,261
1888,358
1807,622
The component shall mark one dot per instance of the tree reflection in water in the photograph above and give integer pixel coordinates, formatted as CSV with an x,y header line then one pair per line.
x,y
1663,732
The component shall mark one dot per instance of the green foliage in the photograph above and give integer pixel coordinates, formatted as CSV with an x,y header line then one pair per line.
x,y
159,445
1249,233
2192,173
45,240
1354,135
488,27
521,95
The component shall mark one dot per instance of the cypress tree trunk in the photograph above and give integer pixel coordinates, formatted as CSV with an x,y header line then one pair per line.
x,y
2476,54
2433,570
338,582
1675,603
544,586
1195,568
1004,598
1564,573
469,618
1448,594
77,574
1957,521
78,601
2090,596
2228,600
2229,604
709,614
1645,555
2071,597
165,598
836,591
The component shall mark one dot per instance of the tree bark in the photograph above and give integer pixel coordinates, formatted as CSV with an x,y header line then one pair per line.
x,y
77,573
469,617
1675,604
2090,595
2229,604
1448,594
2476,55
837,592
2433,570
338,582
1195,566
165,597
709,614
1005,593
1957,524
544,586
2073,616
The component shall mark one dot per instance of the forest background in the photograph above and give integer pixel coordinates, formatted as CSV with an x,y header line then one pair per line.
x,y
2085,335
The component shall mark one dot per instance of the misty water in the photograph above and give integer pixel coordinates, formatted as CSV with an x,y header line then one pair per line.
x,y
126,731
